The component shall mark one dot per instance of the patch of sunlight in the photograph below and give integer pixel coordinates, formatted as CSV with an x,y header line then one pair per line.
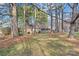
x,y
62,35
12,52
65,43
67,50
19,46
48,39
53,38
17,49
55,52
76,49
59,51
41,36
58,48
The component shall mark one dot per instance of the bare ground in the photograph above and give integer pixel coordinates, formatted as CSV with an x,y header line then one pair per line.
x,y
42,45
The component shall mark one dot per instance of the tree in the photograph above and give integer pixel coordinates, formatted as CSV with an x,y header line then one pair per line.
x,y
20,16
62,17
35,15
14,20
24,19
28,12
40,17
74,18
51,15
56,19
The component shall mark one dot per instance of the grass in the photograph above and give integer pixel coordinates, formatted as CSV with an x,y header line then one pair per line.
x,y
58,48
35,46
77,35
11,50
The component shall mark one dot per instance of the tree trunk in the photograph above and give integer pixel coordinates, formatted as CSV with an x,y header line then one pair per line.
x,y
72,24
35,21
51,17
56,20
24,19
62,20
71,33
14,21
76,23
51,21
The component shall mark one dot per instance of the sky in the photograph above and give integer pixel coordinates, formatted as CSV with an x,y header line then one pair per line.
x,y
67,8
40,5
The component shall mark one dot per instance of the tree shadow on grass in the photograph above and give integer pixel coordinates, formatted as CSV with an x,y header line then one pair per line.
x,y
58,49
16,50
36,41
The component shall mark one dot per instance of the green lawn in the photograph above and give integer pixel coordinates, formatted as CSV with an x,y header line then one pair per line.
x,y
40,45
